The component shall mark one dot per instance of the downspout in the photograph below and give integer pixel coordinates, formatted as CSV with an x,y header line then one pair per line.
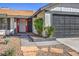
x,y
43,24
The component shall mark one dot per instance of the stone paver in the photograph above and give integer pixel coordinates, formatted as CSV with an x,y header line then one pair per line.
x,y
25,43
29,50
44,49
29,53
56,50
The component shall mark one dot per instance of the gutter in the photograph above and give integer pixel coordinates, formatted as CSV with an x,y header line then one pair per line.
x,y
3,15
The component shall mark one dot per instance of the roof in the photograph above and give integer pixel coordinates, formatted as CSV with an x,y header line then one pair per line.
x,y
13,12
44,8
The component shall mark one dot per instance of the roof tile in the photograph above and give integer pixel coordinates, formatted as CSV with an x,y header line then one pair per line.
x,y
16,12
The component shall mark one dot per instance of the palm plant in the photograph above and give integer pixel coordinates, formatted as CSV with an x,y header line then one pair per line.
x,y
49,30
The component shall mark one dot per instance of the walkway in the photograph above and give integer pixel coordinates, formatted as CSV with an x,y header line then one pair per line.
x,y
45,48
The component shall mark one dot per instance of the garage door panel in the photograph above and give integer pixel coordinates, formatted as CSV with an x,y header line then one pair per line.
x,y
66,25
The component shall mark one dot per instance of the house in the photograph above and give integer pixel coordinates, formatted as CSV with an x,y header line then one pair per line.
x,y
63,16
15,21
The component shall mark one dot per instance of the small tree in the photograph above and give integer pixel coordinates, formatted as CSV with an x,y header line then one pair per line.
x,y
38,23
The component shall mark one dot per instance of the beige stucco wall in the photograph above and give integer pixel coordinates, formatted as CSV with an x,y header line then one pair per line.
x,y
41,14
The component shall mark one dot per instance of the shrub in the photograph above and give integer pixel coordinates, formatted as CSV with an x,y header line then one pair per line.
x,y
38,23
49,30
9,52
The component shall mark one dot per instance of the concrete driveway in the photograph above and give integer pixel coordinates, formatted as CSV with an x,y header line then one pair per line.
x,y
70,42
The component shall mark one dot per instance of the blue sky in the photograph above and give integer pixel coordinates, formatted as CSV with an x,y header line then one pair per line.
x,y
22,6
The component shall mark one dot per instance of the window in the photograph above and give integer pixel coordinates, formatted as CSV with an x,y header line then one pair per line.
x,y
4,23
8,23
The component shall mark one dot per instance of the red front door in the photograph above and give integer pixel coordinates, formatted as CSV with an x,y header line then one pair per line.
x,y
26,25
17,27
21,23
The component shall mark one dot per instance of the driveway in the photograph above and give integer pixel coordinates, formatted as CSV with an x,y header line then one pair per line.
x,y
70,42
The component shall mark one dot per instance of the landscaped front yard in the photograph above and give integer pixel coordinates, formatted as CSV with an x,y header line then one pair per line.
x,y
46,48
13,46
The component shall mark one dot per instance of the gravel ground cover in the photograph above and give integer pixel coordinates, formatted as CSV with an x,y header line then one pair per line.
x,y
45,50
13,43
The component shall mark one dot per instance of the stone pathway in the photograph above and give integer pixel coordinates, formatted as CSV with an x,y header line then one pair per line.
x,y
54,50
44,48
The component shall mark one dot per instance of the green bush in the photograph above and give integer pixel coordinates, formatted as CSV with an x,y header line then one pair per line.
x,y
9,52
49,30
38,23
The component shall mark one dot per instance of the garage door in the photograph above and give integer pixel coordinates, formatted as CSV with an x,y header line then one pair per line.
x,y
66,25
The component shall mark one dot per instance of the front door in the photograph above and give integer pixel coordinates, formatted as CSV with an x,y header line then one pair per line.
x,y
22,25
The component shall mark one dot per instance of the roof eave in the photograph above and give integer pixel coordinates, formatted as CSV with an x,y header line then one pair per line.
x,y
43,8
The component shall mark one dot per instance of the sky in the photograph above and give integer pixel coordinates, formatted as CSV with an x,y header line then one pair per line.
x,y
22,6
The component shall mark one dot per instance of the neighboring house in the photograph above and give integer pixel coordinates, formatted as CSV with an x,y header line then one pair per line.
x,y
15,21
64,16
